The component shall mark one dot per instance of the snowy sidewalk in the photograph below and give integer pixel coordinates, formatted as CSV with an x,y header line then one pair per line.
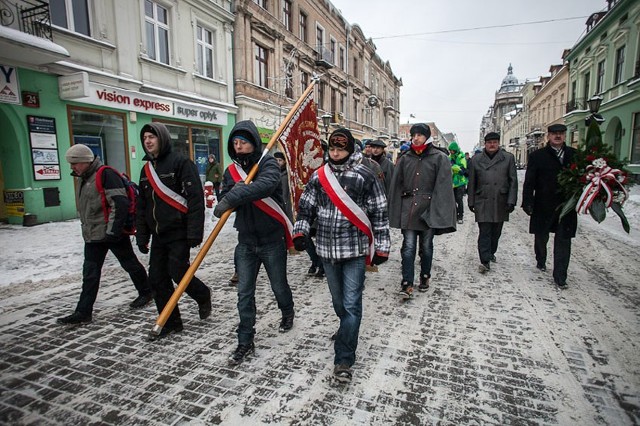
x,y
507,347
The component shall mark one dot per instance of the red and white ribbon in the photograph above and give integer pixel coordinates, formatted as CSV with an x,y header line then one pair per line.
x,y
600,179
267,205
346,205
165,193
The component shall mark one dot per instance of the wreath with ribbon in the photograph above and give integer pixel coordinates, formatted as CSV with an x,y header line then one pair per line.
x,y
595,181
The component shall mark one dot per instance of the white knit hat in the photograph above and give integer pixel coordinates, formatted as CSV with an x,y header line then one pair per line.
x,y
79,153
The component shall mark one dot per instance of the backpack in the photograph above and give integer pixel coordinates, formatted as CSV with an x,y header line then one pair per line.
x,y
132,190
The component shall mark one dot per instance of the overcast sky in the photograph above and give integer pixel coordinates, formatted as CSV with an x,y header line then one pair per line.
x,y
451,77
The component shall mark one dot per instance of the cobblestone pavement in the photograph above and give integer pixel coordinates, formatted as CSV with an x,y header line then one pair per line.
x,y
506,347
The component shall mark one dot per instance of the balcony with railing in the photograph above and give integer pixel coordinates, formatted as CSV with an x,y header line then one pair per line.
x,y
26,35
575,104
27,16
324,57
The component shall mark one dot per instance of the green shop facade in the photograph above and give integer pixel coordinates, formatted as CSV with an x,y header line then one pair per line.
x,y
42,115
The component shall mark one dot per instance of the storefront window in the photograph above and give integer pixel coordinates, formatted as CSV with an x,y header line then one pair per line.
x,y
205,141
103,132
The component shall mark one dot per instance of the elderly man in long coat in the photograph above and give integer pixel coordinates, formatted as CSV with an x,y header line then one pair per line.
x,y
492,194
421,204
541,198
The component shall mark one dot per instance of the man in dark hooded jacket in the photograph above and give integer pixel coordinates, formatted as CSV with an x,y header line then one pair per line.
x,y
262,237
170,213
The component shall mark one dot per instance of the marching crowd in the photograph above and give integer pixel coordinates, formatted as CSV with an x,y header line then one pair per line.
x,y
342,219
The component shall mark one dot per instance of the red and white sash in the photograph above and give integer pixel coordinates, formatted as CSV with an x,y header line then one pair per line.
x,y
167,195
267,205
346,205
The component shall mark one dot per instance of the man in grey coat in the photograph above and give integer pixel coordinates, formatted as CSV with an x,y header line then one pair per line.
x,y
492,194
421,204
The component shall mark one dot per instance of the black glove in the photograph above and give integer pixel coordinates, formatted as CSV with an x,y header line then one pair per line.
x,y
144,248
510,208
378,260
193,242
221,207
300,243
473,209
528,210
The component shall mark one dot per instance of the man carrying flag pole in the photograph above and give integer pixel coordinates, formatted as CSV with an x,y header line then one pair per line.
x,y
264,231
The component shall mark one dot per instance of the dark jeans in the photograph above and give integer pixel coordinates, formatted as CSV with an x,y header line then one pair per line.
x,y
561,253
408,253
346,283
488,237
168,262
248,258
458,193
94,255
216,188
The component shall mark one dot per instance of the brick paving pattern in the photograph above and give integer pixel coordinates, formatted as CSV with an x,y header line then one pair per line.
x,y
506,347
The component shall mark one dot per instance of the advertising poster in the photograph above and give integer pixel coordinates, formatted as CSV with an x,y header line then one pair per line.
x,y
44,147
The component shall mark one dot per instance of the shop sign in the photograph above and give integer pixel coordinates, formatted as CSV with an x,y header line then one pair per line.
x,y
14,201
73,86
44,147
31,99
44,172
154,105
9,85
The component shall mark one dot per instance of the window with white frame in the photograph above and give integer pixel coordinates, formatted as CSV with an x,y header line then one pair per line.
x,y
71,14
341,60
619,70
157,31
261,3
332,47
205,49
600,77
320,40
261,66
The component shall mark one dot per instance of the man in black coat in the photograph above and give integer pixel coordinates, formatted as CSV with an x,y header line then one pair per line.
x,y
541,199
170,213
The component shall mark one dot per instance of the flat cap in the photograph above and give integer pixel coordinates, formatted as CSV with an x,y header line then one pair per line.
x,y
557,128
491,136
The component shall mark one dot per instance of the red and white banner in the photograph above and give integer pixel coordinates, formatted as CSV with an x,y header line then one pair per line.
x,y
300,142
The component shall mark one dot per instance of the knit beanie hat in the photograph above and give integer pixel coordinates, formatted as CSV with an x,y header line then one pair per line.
x,y
342,138
79,153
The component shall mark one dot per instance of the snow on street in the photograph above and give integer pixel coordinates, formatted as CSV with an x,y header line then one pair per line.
x,y
507,347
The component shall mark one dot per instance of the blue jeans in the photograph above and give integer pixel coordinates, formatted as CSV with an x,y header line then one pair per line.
x,y
408,253
346,283
248,258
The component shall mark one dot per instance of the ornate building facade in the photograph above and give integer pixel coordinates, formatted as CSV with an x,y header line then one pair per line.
x,y
280,46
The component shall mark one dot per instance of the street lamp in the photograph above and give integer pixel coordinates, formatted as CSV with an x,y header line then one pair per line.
x,y
594,107
326,120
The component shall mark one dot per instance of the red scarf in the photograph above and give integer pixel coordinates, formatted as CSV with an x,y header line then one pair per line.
x,y
419,149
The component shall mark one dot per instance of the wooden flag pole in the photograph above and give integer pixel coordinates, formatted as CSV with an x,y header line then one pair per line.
x,y
182,286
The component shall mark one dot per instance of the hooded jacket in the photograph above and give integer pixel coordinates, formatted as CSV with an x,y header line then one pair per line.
x,y
421,192
460,177
156,217
253,225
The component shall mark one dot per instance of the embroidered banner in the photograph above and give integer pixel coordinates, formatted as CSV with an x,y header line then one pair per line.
x,y
300,142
